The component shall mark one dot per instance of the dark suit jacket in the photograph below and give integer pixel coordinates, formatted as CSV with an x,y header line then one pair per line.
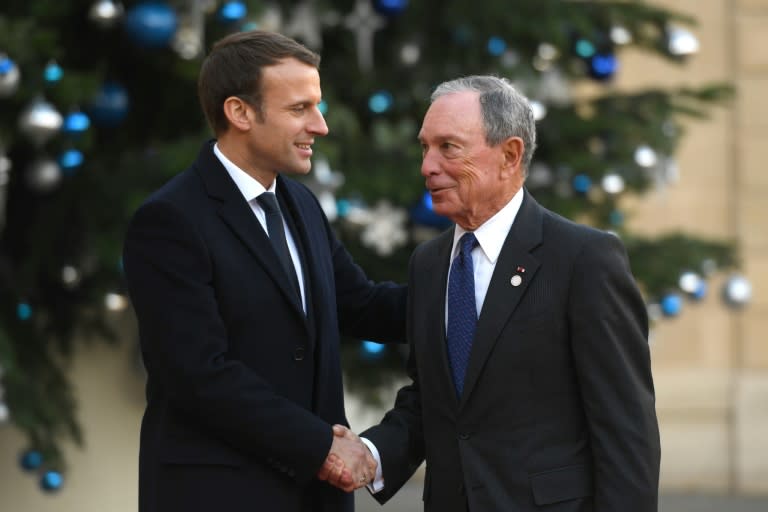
x,y
242,386
558,408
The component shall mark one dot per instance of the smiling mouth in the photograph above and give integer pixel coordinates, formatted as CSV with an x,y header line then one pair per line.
x,y
304,146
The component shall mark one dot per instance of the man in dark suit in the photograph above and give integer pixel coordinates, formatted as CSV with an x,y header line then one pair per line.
x,y
240,288
532,385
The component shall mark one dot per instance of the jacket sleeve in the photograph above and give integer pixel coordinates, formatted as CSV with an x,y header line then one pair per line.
x,y
185,346
399,437
609,340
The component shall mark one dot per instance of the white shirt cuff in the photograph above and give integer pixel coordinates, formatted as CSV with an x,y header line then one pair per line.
x,y
378,481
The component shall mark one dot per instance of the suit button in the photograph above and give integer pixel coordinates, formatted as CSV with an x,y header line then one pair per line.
x,y
298,354
463,436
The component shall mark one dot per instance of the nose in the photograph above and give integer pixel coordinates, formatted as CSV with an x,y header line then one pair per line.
x,y
429,163
318,126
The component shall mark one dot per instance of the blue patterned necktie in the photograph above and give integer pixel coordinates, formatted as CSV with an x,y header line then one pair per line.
x,y
462,312
276,231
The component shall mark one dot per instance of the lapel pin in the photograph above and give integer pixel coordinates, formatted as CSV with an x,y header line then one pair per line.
x,y
516,280
521,270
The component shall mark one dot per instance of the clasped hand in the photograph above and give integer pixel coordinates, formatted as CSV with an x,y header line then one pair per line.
x,y
349,464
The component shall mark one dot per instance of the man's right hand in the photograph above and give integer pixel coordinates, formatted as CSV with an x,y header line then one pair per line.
x,y
349,464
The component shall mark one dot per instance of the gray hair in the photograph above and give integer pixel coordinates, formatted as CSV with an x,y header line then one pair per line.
x,y
506,112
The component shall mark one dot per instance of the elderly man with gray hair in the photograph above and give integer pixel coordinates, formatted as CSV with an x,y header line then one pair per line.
x,y
531,377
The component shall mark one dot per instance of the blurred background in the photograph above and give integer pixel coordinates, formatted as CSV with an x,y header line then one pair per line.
x,y
652,119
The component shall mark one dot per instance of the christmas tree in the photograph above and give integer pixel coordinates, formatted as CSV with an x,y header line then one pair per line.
x,y
98,107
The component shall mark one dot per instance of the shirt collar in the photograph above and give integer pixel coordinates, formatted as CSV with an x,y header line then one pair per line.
x,y
246,184
492,233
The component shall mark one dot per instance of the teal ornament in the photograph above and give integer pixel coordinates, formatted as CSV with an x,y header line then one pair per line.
x,y
24,311
52,73
380,102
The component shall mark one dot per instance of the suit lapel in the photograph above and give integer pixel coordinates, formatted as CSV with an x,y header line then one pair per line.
x,y
503,297
237,214
298,225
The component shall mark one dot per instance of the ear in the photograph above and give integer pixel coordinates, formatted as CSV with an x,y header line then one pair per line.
x,y
513,149
239,113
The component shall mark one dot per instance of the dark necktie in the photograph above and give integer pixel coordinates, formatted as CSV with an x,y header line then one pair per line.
x,y
462,312
276,231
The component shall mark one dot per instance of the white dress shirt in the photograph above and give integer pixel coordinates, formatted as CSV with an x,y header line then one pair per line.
x,y
490,236
251,189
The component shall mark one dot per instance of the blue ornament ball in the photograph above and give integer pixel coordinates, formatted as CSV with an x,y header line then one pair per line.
x,y
370,350
110,106
51,481
30,460
701,291
603,66
151,24
496,46
76,123
390,7
70,160
232,11
582,183
671,304
423,214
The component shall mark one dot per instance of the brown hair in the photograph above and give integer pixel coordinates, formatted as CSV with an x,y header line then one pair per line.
x,y
233,68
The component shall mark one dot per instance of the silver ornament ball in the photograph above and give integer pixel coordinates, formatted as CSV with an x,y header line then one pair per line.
x,y
40,121
737,291
10,77
106,13
43,175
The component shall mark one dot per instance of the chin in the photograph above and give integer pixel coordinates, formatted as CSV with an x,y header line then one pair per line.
x,y
298,170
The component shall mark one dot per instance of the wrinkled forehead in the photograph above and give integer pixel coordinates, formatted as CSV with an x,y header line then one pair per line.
x,y
454,114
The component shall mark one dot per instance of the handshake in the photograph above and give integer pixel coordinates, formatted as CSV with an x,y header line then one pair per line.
x,y
349,464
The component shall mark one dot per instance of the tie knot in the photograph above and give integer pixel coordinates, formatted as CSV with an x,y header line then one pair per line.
x,y
468,241
268,201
